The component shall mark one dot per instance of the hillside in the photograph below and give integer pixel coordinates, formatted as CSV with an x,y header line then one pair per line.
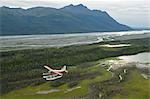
x,y
46,20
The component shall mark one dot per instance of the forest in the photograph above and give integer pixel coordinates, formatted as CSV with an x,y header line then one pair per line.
x,y
22,68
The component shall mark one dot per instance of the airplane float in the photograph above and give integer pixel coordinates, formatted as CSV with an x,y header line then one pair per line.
x,y
54,74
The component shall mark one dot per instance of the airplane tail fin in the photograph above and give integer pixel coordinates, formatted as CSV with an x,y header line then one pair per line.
x,y
64,68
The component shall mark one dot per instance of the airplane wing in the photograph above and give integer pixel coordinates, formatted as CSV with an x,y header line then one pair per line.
x,y
53,70
57,72
48,68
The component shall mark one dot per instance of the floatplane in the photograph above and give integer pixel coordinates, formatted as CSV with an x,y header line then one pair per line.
x,y
54,74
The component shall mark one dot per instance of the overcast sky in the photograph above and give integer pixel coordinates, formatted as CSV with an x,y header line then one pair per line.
x,y
135,13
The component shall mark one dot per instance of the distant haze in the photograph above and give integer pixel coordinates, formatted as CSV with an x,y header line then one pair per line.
x,y
135,13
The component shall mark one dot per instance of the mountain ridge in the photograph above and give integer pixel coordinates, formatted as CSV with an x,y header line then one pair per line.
x,y
47,20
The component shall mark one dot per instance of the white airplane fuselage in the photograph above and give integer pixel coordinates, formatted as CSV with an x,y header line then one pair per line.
x,y
54,74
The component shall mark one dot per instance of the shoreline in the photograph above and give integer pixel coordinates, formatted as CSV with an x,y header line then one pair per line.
x,y
101,32
10,43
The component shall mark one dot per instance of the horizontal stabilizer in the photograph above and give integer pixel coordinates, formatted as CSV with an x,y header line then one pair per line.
x,y
46,73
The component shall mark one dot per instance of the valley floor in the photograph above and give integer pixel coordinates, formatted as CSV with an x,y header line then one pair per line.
x,y
95,72
106,84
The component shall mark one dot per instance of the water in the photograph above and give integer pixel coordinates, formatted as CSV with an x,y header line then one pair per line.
x,y
140,58
118,45
19,42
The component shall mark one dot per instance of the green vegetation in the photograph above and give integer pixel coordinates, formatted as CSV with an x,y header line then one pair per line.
x,y
21,71
133,86
136,87
73,84
30,92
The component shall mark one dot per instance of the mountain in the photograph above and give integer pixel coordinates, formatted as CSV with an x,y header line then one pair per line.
x,y
46,20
